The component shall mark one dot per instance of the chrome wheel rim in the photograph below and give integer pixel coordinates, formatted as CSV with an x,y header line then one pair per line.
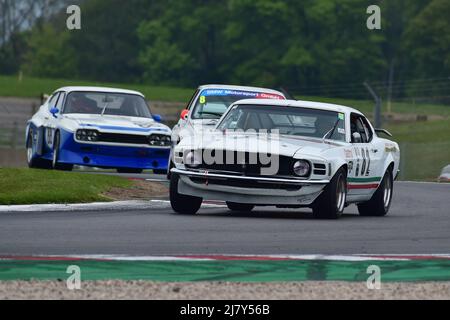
x,y
341,195
387,194
29,153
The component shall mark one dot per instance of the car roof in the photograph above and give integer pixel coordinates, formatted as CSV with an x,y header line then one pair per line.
x,y
99,89
242,88
300,104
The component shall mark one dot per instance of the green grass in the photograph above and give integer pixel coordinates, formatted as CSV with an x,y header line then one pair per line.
x,y
10,86
29,87
29,186
425,148
367,106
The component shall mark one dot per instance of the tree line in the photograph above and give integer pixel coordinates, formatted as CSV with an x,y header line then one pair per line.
x,y
315,47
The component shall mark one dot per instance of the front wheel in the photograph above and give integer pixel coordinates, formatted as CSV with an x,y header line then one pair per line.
x,y
182,204
331,203
56,151
381,200
240,207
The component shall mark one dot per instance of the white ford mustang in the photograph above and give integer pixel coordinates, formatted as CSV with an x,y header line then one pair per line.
x,y
289,154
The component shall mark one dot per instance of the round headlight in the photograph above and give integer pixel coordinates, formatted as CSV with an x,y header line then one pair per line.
x,y
192,160
302,168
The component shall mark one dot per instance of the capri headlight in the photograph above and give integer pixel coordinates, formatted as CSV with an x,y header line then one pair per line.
x,y
302,168
87,135
159,140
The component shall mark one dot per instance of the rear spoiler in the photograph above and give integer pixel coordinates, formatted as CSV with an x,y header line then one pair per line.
x,y
383,131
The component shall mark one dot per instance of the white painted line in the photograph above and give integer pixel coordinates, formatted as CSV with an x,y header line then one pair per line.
x,y
218,257
96,206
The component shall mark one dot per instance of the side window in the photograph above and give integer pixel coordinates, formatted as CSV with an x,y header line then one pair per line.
x,y
60,103
53,100
191,102
360,125
368,129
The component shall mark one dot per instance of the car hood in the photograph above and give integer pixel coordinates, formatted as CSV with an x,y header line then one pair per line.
x,y
108,122
242,142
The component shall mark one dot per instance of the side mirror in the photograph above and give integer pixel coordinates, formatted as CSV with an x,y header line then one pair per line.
x,y
157,118
184,114
54,112
356,137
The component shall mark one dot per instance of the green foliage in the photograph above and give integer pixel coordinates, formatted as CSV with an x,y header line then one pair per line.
x,y
49,53
295,44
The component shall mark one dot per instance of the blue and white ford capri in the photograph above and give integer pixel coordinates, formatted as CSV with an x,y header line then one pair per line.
x,y
97,127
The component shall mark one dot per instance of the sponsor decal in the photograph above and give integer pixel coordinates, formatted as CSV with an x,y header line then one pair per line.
x,y
238,93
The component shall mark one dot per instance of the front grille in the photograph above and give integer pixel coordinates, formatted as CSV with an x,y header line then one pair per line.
x,y
241,183
320,169
249,164
122,138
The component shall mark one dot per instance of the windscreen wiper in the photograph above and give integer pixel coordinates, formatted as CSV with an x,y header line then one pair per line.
x,y
331,132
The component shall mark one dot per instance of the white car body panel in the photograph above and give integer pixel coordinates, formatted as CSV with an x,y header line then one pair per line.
x,y
366,163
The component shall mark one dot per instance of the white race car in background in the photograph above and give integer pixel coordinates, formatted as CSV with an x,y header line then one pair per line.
x,y
209,103
329,156
97,127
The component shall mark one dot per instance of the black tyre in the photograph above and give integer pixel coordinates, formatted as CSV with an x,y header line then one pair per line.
x,y
129,170
34,161
181,203
159,171
240,207
56,150
171,166
380,203
331,203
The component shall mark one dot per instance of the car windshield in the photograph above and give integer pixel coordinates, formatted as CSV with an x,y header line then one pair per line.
x,y
286,120
212,103
115,104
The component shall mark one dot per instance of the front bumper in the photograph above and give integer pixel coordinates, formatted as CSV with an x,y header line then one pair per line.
x,y
106,156
247,189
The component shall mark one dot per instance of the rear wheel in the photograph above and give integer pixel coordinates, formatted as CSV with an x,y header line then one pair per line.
x,y
56,151
240,207
182,204
331,203
129,170
33,160
380,203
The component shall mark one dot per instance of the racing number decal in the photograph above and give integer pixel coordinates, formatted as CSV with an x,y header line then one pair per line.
x,y
202,99
368,164
365,166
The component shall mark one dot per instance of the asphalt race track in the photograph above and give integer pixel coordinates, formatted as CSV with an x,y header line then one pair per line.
x,y
419,223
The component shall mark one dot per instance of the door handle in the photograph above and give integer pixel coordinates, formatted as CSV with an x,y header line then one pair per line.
x,y
374,150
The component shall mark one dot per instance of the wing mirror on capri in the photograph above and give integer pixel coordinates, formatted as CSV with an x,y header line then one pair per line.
x,y
356,137
157,118
184,114
54,112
